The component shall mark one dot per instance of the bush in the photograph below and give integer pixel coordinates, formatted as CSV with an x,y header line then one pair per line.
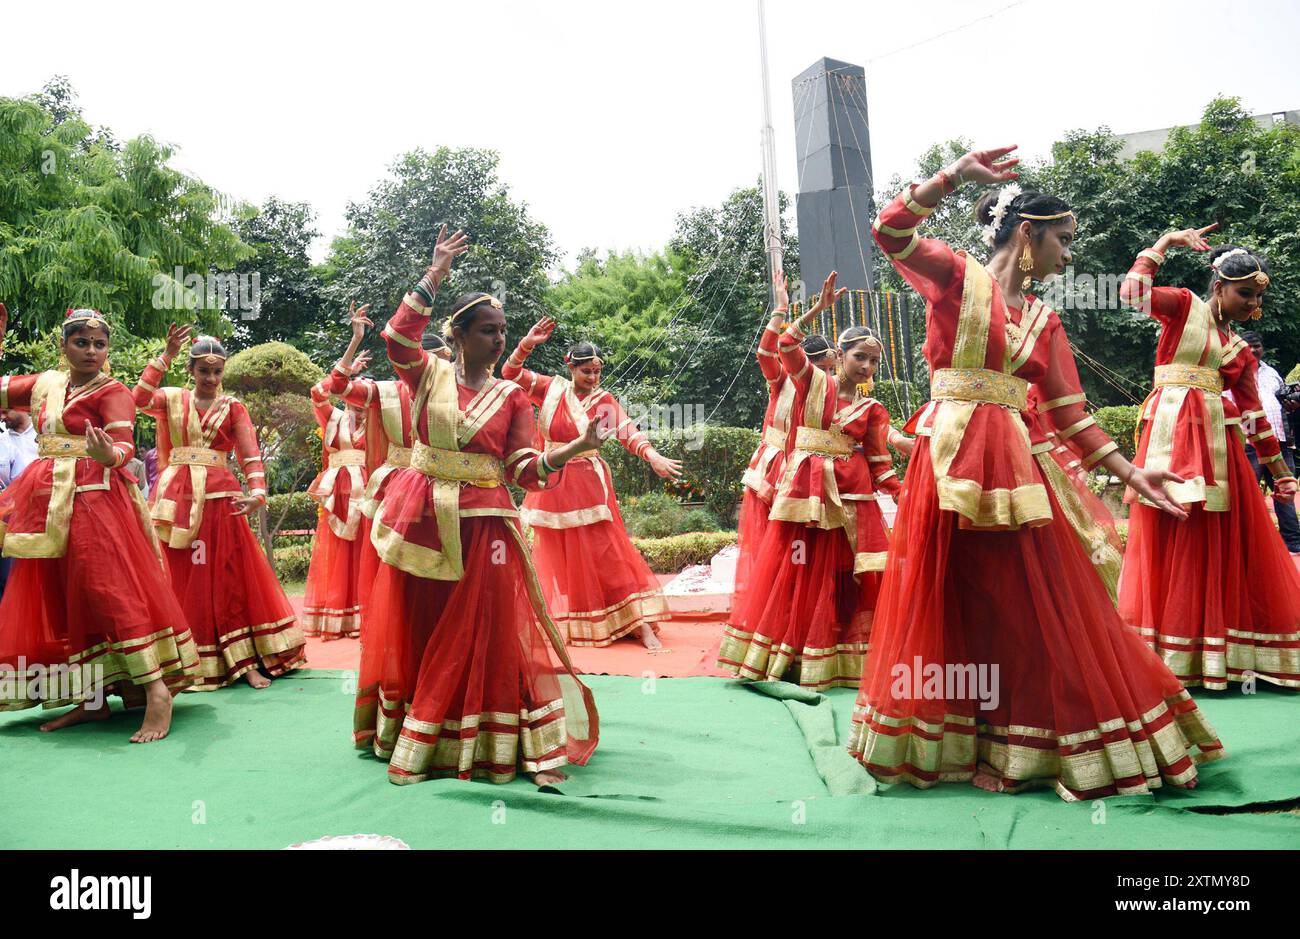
x,y
701,520
653,515
714,461
900,398
1119,423
300,512
670,555
292,561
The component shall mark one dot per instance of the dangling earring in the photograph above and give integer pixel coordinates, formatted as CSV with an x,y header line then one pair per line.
x,y
1258,314
1026,265
865,388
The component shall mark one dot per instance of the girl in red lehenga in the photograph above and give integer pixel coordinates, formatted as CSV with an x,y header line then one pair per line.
x,y
331,606
88,609
996,655
387,405
237,610
1217,596
597,586
826,540
457,671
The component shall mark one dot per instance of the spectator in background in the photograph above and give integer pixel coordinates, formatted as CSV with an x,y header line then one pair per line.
x,y
17,450
1271,384
150,469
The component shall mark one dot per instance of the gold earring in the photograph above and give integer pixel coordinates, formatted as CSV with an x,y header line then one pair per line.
x,y
1026,265
1258,314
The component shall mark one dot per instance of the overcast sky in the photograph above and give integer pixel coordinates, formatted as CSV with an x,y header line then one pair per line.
x,y
612,117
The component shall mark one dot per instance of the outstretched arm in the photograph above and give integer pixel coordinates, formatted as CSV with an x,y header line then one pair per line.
x,y
404,331
148,394
534,384
1139,291
769,360
249,455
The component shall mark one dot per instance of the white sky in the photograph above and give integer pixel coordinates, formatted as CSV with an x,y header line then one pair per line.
x,y
612,117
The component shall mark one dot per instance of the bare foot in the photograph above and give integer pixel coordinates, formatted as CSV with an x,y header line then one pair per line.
x,y
157,713
549,777
986,781
649,639
257,679
78,715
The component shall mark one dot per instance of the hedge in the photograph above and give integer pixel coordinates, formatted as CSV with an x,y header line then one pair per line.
x,y
302,513
670,555
1119,423
293,560
713,461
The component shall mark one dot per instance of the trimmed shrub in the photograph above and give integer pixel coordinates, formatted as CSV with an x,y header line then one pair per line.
x,y
300,512
653,515
670,555
292,561
714,460
1119,423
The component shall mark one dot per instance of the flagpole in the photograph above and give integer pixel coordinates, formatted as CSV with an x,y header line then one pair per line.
x,y
771,194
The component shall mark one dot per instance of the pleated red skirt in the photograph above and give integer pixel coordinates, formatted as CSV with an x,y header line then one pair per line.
x,y
1217,596
105,610
749,538
331,606
236,608
1001,652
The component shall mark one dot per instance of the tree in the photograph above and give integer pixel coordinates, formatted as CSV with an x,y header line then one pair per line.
x,y
86,222
392,232
291,291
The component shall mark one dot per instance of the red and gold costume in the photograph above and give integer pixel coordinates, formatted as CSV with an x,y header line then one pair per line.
x,y
236,608
825,543
89,589
458,673
1217,595
1085,513
598,587
387,405
984,582
765,469
331,606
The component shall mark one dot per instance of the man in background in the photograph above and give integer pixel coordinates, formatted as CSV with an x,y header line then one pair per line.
x,y
17,451
1271,384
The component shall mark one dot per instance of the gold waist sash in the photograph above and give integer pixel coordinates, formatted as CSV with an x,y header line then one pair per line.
x,y
823,442
980,384
399,456
347,458
60,446
196,456
775,437
1189,376
477,469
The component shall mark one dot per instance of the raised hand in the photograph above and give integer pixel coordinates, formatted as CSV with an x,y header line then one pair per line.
x,y
358,320
780,292
359,364
178,338
599,429
1193,238
540,332
446,250
987,166
826,298
99,446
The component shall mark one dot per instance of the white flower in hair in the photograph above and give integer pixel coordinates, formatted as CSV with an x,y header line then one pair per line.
x,y
1218,262
1006,196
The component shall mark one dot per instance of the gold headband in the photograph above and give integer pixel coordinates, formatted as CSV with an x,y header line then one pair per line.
x,y
1261,279
486,298
208,358
1047,218
867,338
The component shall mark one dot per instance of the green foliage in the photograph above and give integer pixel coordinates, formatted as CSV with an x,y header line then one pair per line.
x,y
292,561
1119,423
291,511
292,302
85,221
391,235
701,520
670,555
716,459
653,515
274,382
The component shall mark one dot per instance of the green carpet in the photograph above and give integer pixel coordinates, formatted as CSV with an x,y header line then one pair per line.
x,y
683,763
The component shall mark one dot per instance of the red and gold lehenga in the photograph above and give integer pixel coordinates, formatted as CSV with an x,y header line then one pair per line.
x,y
764,472
331,607
458,668
236,608
1217,596
598,587
825,543
387,405
88,589
986,587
